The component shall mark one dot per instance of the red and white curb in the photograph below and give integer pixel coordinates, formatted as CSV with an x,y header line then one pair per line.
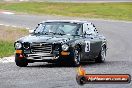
x,y
7,59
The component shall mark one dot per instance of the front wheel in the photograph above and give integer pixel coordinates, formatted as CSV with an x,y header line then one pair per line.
x,y
76,58
102,55
21,62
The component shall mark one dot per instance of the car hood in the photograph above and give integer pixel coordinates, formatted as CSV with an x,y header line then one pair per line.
x,y
47,38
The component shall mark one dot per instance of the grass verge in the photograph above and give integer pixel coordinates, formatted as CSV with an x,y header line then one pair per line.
x,y
7,37
120,11
6,48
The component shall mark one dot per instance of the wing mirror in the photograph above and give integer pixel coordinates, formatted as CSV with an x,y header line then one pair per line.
x,y
31,31
87,33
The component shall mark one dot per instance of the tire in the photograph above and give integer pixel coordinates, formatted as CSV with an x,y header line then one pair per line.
x,y
76,58
102,55
21,62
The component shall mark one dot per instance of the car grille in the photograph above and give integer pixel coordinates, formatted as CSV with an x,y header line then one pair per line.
x,y
41,48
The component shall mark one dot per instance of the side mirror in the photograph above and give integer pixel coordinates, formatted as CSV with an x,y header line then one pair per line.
x,y
87,33
31,31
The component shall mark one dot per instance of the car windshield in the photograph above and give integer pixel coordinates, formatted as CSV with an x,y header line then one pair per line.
x,y
58,28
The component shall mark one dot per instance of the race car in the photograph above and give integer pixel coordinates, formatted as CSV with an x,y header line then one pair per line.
x,y
57,41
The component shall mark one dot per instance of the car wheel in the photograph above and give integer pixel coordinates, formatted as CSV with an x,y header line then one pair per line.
x,y
21,62
76,59
102,55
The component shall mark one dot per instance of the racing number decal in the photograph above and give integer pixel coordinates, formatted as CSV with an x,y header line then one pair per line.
x,y
87,47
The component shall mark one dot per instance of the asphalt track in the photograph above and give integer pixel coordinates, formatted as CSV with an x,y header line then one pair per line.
x,y
42,75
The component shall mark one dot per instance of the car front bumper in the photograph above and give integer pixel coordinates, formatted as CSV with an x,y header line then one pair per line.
x,y
45,57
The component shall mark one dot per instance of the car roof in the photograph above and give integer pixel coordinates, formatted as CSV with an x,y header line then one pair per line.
x,y
67,21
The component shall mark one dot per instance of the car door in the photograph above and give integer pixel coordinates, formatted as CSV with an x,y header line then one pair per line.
x,y
92,42
95,46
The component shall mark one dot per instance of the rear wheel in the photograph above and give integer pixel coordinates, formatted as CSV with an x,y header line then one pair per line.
x,y
102,55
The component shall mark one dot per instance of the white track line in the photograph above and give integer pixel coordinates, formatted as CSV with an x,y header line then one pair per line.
x,y
7,59
1,24
14,26
8,13
7,25
27,28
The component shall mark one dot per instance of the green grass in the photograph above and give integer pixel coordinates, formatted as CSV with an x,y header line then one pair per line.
x,y
119,11
8,35
6,48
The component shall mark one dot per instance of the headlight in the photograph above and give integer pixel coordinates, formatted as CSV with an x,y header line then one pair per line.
x,y
18,45
65,47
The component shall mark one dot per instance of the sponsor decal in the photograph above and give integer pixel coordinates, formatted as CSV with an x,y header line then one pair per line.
x,y
83,78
